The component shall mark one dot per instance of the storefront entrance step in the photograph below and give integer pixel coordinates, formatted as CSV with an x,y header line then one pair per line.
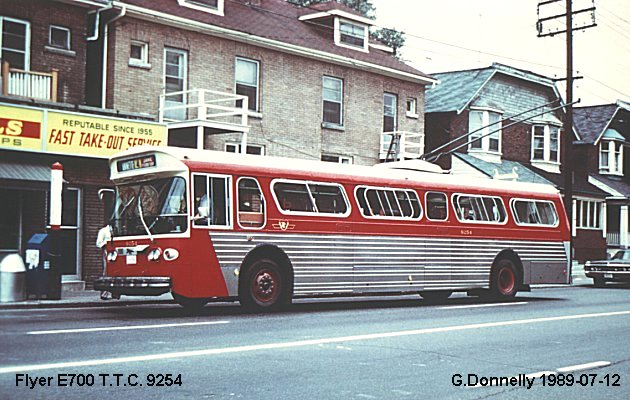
x,y
72,286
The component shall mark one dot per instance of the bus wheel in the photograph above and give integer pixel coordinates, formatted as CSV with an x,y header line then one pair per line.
x,y
436,295
503,280
188,302
263,286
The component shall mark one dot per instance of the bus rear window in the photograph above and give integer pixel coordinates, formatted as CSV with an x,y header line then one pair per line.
x,y
310,197
534,212
476,208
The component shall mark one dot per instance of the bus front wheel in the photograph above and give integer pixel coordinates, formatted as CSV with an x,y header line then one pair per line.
x,y
263,286
503,280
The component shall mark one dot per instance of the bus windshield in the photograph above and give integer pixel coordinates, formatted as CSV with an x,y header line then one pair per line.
x,y
149,208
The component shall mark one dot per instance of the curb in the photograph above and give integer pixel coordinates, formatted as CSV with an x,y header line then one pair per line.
x,y
79,303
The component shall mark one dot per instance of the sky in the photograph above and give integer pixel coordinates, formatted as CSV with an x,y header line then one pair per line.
x,y
452,35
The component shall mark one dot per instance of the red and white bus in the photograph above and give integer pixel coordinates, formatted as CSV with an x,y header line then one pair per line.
x,y
208,225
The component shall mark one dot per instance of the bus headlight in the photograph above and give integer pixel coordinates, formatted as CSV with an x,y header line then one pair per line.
x,y
154,254
112,256
171,254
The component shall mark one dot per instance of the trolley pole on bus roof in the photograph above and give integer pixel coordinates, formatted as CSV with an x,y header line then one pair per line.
x,y
546,23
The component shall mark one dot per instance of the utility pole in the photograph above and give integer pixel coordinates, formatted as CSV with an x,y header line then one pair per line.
x,y
585,19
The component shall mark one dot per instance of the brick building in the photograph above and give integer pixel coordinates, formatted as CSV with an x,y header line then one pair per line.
x,y
516,133
279,79
316,85
44,119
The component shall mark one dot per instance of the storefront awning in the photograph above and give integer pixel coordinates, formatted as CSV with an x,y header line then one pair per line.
x,y
14,171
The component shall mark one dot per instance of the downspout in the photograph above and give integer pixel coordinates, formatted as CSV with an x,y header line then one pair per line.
x,y
97,22
123,11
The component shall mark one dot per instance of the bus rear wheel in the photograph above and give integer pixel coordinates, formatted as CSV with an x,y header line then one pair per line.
x,y
263,286
503,280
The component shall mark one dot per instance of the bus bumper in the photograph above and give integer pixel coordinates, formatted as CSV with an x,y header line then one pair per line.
x,y
134,285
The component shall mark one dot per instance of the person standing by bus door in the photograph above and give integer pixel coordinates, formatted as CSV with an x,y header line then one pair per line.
x,y
103,237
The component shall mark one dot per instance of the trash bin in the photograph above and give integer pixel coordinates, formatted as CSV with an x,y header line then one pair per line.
x,y
12,279
43,278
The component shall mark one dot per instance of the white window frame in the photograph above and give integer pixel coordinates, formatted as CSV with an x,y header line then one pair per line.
x,y
143,61
388,189
394,114
257,63
199,6
484,133
27,39
228,200
183,68
546,163
340,159
324,99
524,223
262,199
67,45
456,207
237,148
615,151
313,213
426,205
412,107
340,43
586,208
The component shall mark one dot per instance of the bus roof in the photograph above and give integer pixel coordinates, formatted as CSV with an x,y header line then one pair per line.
x,y
404,171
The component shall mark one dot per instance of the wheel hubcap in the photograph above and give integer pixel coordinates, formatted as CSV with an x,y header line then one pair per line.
x,y
506,280
265,286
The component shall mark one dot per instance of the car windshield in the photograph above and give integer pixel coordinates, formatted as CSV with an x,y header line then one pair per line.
x,y
622,255
161,203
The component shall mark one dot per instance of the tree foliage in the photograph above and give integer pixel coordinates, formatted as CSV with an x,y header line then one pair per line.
x,y
390,37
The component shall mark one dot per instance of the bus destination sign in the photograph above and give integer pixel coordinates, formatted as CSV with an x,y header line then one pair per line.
x,y
136,163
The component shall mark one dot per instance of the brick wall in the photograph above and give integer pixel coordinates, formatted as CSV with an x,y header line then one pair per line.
x,y
71,65
290,92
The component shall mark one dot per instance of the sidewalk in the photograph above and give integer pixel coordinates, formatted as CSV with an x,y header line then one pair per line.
x,y
87,298
91,298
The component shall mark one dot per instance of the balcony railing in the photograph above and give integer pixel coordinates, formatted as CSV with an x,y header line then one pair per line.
x,y
613,238
203,105
30,84
401,145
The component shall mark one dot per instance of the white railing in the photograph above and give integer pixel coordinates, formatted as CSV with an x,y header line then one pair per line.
x,y
613,238
406,145
203,105
34,85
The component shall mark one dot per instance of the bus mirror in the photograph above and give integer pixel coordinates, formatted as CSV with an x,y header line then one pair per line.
x,y
107,197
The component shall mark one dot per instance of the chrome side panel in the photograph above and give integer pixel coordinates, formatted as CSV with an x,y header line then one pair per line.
x,y
326,264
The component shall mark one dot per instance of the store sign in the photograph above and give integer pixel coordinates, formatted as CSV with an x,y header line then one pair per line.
x,y
20,129
49,131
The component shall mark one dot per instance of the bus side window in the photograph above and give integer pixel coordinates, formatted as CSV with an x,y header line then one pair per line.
x,y
251,204
212,200
436,206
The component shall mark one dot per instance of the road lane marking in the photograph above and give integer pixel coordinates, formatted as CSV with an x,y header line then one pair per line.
x,y
516,303
582,367
124,328
300,343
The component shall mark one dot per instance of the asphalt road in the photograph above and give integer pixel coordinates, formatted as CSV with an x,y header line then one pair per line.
x,y
552,343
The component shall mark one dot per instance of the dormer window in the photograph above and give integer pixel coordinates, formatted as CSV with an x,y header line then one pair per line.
x,y
486,139
546,147
209,6
351,34
611,157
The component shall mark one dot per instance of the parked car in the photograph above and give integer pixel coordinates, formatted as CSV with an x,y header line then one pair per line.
x,y
616,269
